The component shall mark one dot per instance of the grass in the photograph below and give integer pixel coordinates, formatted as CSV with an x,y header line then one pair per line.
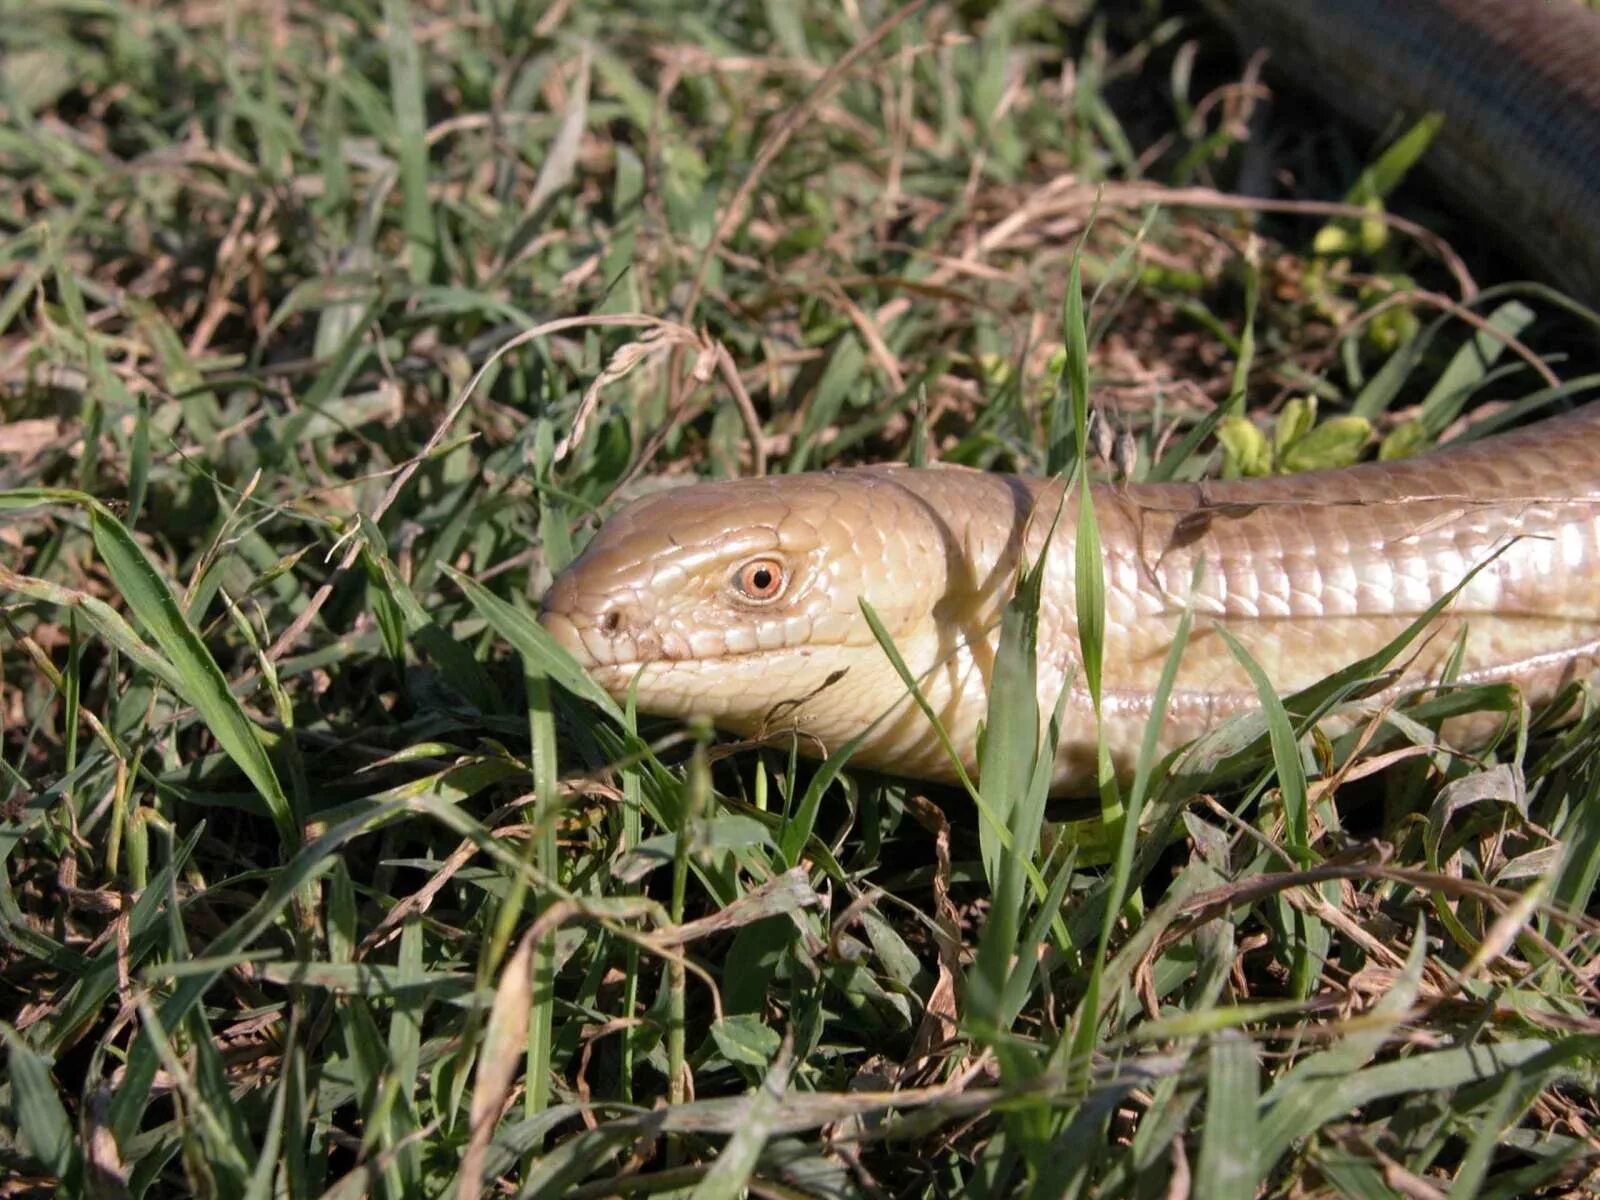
x,y
326,875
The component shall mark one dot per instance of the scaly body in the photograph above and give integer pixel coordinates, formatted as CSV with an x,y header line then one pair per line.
x,y
741,600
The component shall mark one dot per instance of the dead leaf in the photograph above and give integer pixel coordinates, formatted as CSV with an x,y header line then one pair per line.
x,y
504,1044
27,439
782,894
940,1018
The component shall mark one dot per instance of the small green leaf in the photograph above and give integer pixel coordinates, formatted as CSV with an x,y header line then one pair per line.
x,y
1403,441
1331,241
1337,442
1370,234
1396,161
1244,448
1294,422
743,1038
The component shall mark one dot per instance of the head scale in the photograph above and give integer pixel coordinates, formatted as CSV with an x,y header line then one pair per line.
x,y
736,598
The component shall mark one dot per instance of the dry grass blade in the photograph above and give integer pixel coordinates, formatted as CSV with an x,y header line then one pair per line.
x,y
558,168
504,1041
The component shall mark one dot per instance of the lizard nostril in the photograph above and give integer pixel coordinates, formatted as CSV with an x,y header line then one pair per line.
x,y
612,622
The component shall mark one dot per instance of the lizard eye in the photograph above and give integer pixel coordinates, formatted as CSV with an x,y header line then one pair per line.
x,y
760,580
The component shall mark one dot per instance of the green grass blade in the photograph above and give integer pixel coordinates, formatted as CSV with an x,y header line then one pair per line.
x,y
41,1120
1089,583
1302,1099
993,823
729,1177
1497,1115
195,672
541,651
1285,751
1016,765
1073,386
798,828
1227,1169
1076,1047
406,89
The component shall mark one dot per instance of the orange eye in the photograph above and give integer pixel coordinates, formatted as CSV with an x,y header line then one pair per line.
x,y
760,579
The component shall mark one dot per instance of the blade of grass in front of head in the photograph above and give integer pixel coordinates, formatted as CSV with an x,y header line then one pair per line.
x,y
534,642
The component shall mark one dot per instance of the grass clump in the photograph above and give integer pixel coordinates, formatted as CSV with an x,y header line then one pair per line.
x,y
328,332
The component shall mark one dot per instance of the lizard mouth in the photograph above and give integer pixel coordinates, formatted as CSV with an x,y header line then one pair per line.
x,y
597,647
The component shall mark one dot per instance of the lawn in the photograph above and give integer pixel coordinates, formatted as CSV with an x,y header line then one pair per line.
x,y
328,332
